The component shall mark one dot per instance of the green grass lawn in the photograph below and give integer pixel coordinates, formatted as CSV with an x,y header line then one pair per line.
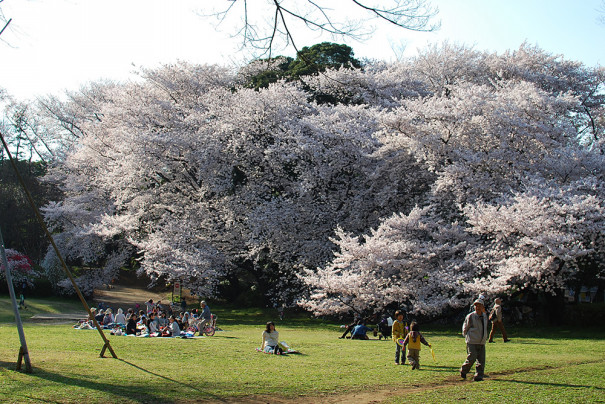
x,y
539,365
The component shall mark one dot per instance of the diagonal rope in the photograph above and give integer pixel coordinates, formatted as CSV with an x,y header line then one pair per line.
x,y
52,242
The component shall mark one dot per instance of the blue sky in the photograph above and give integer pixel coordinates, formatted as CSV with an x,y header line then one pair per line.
x,y
57,45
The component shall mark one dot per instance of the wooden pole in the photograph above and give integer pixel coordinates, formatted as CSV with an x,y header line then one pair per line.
x,y
106,345
23,353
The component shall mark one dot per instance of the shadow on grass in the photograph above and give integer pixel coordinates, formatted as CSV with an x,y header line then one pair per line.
x,y
556,332
522,342
170,380
223,336
122,390
34,399
435,368
239,316
533,334
563,385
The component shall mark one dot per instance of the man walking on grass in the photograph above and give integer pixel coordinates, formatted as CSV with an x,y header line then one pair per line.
x,y
496,318
474,330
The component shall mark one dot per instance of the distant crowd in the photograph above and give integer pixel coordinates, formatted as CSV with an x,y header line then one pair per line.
x,y
156,320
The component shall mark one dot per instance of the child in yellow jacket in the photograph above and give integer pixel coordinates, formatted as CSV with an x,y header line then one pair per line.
x,y
398,332
413,340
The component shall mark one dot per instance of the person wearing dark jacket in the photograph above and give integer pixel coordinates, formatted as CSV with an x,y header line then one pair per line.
x,y
131,326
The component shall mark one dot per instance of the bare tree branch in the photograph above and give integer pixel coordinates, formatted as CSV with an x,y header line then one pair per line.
x,y
6,25
264,28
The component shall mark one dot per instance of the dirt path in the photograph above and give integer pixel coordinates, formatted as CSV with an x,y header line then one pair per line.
x,y
128,296
118,296
381,394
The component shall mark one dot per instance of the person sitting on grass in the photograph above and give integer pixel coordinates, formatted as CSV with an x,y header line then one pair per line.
x,y
131,326
175,330
108,318
120,317
163,321
154,325
142,324
185,320
360,330
270,343
172,329
412,341
100,316
349,327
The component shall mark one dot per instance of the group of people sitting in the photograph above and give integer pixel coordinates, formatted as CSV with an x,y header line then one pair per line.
x,y
358,330
155,321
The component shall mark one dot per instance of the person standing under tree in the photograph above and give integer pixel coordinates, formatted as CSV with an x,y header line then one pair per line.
x,y
22,304
472,306
496,318
397,332
474,330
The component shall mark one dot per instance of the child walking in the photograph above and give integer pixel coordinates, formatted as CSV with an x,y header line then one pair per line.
x,y
399,331
22,304
413,340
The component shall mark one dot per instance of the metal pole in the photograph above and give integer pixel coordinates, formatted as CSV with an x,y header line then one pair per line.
x,y
23,352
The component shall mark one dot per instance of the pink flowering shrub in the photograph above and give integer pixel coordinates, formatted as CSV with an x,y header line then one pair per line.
x,y
21,267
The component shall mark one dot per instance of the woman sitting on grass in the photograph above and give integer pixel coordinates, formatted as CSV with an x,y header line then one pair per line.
x,y
270,339
175,330
120,317
108,318
172,329
154,325
185,320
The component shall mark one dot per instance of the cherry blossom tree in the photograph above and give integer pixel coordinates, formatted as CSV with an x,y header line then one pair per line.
x,y
538,239
416,260
256,176
200,179
492,132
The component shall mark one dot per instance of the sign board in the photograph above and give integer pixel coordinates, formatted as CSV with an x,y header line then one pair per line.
x,y
176,292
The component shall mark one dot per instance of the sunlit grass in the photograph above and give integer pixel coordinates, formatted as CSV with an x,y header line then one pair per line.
x,y
547,364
